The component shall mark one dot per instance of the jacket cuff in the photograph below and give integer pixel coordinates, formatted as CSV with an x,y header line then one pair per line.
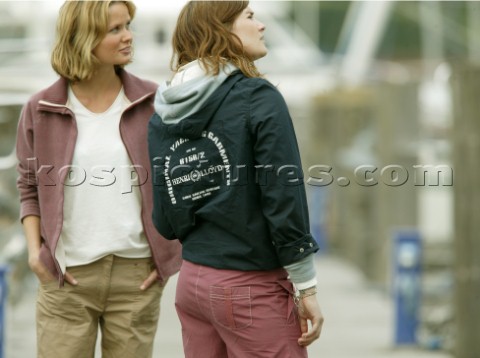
x,y
297,250
29,209
302,273
307,284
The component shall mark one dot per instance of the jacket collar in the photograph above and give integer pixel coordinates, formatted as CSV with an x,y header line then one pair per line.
x,y
134,89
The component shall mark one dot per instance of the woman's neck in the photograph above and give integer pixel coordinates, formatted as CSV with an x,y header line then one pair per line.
x,y
100,91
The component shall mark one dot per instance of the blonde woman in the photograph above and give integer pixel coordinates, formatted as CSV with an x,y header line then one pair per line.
x,y
228,186
86,195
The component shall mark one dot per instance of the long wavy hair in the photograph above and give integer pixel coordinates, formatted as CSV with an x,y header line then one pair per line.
x,y
203,32
81,26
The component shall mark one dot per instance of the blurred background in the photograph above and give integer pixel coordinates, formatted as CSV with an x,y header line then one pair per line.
x,y
384,96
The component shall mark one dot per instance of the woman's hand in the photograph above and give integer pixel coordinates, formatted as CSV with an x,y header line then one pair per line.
x,y
40,270
149,281
70,279
44,275
309,310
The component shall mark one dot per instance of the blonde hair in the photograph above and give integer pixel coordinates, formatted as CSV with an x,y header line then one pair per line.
x,y
81,26
203,32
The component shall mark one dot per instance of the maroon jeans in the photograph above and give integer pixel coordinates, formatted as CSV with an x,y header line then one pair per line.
x,y
237,314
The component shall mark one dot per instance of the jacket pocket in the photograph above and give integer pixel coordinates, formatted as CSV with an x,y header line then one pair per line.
x,y
231,307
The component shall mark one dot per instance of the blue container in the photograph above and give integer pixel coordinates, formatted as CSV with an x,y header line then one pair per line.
x,y
3,303
407,261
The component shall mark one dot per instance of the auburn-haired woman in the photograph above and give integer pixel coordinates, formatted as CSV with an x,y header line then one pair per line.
x,y
228,186
86,195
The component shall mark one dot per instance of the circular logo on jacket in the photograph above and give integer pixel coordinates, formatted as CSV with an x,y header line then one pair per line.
x,y
196,168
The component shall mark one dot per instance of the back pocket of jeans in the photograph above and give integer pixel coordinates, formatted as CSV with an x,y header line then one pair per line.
x,y
231,306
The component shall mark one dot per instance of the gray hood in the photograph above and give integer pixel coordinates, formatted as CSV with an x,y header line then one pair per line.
x,y
176,102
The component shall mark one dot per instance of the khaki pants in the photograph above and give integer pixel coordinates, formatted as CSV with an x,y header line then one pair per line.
x,y
107,296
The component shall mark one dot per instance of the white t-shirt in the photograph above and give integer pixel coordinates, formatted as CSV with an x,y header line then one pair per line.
x,y
102,206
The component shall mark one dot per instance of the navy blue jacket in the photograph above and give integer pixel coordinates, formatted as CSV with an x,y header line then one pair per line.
x,y
228,181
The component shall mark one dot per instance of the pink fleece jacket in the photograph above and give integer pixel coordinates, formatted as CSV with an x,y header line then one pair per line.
x,y
46,140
